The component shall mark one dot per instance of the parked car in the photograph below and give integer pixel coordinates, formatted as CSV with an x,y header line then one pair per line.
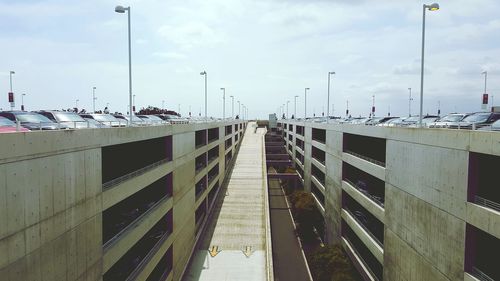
x,y
7,126
392,122
32,121
151,119
476,120
95,124
136,121
414,120
173,119
445,121
70,119
105,119
495,126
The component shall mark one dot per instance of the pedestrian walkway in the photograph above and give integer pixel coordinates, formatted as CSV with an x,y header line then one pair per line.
x,y
236,244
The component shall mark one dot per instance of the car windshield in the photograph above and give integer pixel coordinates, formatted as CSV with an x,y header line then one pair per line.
x,y
412,119
478,117
451,118
32,118
4,122
68,117
105,118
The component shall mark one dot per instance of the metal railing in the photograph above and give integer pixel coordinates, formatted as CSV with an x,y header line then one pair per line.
x,y
380,163
366,193
486,203
364,227
481,275
133,174
353,247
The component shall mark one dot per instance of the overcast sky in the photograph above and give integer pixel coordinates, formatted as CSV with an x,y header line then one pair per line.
x,y
264,52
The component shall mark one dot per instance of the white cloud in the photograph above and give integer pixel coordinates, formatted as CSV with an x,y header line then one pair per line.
x,y
169,55
191,34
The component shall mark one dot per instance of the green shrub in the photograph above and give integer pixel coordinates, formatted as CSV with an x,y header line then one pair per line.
x,y
330,263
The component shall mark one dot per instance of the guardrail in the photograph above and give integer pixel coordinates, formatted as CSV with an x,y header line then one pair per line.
x,y
486,203
366,193
133,174
364,227
380,163
481,275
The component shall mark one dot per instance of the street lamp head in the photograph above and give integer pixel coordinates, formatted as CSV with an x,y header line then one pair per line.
x,y
484,72
331,72
203,73
432,7
121,9
231,96
222,88
296,96
12,72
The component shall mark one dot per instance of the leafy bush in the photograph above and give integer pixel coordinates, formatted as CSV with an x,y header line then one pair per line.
x,y
305,213
330,263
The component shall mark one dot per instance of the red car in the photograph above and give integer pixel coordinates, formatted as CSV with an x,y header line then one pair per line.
x,y
7,126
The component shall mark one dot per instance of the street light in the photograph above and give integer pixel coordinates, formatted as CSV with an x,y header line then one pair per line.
x,y
305,103
287,102
121,10
485,81
239,111
409,103
76,104
133,104
10,78
93,98
232,106
328,101
295,109
223,103
22,102
432,7
204,73
163,105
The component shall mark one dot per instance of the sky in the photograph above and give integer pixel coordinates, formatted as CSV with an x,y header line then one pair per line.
x,y
263,52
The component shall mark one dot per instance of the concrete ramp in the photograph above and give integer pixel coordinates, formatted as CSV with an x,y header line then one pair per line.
x,y
236,243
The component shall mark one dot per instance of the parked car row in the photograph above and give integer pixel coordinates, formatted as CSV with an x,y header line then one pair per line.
x,y
489,121
16,121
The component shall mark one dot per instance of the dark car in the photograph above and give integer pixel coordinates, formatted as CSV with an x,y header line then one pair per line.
x,y
476,120
32,121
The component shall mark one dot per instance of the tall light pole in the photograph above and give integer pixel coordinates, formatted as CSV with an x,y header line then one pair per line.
x,y
133,104
10,79
347,109
223,103
243,115
295,107
162,105
232,106
409,103
22,102
373,106
204,73
287,102
239,110
485,82
121,10
76,104
432,7
305,103
93,99
328,100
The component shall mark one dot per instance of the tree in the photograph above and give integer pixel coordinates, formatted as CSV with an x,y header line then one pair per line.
x,y
330,263
305,213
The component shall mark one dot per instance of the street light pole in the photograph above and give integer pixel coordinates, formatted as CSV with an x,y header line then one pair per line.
x,y
295,107
133,103
409,103
162,105
239,109
232,106
93,99
223,103
287,102
432,7
373,106
305,103
204,73
121,10
22,101
10,78
328,100
77,104
485,82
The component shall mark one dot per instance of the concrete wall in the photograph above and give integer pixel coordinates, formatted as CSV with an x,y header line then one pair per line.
x,y
51,201
426,185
